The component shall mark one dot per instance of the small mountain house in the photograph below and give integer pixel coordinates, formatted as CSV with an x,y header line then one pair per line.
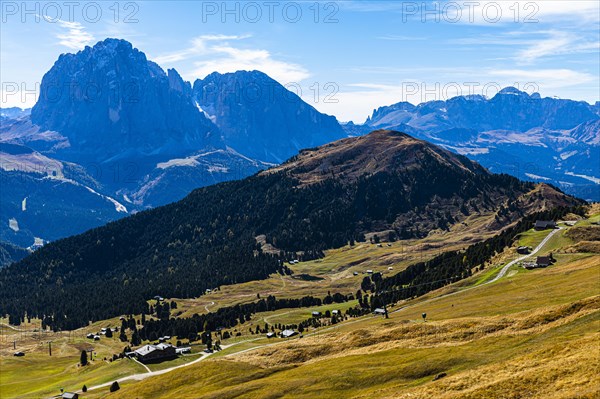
x,y
155,353
287,333
544,224
543,261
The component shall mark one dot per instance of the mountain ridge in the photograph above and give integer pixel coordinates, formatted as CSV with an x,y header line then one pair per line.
x,y
260,117
379,151
533,138
209,238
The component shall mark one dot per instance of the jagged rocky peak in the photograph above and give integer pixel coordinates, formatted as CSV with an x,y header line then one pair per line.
x,y
512,90
109,99
261,118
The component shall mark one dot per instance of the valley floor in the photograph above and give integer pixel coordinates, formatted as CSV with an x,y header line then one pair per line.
x,y
530,334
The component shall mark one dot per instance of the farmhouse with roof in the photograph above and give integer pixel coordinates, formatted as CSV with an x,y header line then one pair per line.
x,y
155,353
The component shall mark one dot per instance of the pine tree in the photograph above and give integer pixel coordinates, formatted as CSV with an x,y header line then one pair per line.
x,y
123,336
135,338
83,358
114,387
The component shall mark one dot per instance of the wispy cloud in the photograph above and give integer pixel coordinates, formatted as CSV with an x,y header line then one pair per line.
x,y
501,13
544,78
75,37
580,11
370,6
556,43
536,45
484,12
402,38
217,53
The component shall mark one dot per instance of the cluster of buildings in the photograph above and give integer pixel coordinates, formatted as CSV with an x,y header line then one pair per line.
x,y
103,331
157,353
93,336
287,333
541,261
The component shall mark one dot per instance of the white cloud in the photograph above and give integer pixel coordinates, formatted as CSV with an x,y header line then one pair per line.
x,y
234,59
76,37
198,46
532,13
215,53
535,45
579,11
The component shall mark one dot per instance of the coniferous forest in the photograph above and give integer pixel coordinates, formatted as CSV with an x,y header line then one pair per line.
x,y
452,266
208,239
416,280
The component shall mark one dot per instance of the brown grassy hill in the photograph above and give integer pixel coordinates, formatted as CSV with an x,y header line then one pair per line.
x,y
379,151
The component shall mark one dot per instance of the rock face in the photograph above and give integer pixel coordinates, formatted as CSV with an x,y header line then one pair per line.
x,y
261,118
110,101
510,109
542,139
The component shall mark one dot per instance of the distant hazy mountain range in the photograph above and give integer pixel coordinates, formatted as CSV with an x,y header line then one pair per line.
x,y
112,133
13,113
542,139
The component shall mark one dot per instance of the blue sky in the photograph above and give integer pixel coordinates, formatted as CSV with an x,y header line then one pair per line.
x,y
344,58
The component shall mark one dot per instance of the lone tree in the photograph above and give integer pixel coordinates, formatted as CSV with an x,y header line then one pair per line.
x,y
114,387
83,359
123,336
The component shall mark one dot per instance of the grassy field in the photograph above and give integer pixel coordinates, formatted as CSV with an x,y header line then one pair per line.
x,y
502,336
39,375
532,334
44,374
335,272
